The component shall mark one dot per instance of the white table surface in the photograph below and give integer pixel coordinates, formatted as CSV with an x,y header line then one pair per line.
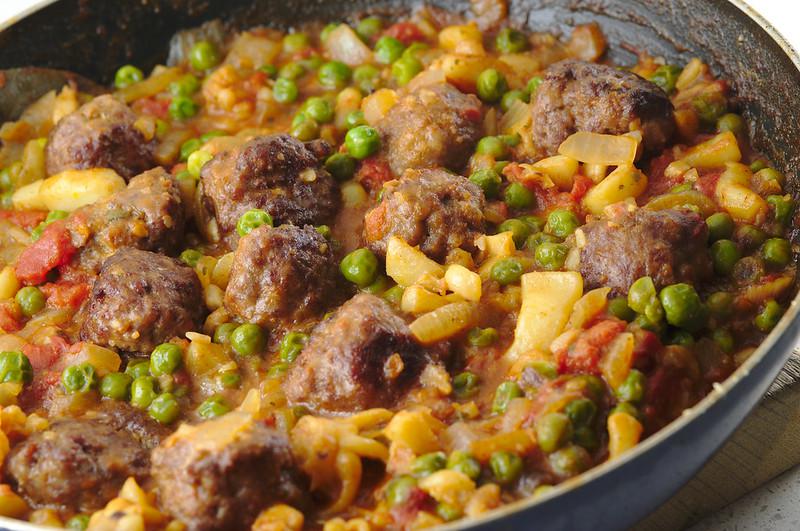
x,y
776,505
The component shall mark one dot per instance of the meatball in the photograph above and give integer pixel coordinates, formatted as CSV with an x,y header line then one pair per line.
x,y
276,173
79,464
436,125
281,274
221,473
435,209
667,245
139,300
100,134
363,356
580,96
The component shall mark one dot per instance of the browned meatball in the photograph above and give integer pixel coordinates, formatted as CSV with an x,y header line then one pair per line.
x,y
667,245
79,464
100,134
436,125
435,209
580,96
221,473
276,173
147,215
281,275
141,299
363,356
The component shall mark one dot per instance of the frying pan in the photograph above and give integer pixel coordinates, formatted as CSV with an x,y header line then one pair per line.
x,y
94,37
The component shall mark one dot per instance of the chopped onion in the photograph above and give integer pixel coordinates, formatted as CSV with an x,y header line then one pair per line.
x,y
443,323
515,118
344,45
596,148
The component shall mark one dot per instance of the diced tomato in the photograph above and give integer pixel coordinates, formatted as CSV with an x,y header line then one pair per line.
x,y
405,32
10,317
53,249
707,182
44,356
158,108
373,172
646,343
583,356
657,183
405,512
65,294
473,114
33,394
27,219
580,186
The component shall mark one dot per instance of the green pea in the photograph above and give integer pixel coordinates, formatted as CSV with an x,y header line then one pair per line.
x,y
292,71
586,437
277,370
185,86
553,430
291,345
749,269
724,254
79,378
506,467
388,50
709,107
137,369
341,165
533,85
506,271
482,337
196,162
534,223
769,316
562,222
581,412
369,27
463,462
165,359
492,146
320,109
551,256
203,55
666,76
360,267
488,180
79,522
720,226
448,512
509,40
252,219
517,196
405,68
327,30
15,367
681,338
427,464
544,369
720,304
230,379
394,294
465,384
362,141
334,75
519,230
723,339
504,394
7,200
164,408
248,339
653,325
367,78
399,489
731,122
285,91
30,300
682,306
6,180
182,107
625,407
414,49
771,174
189,147
512,96
354,119
782,207
270,70
143,391
295,42
223,332
776,252
618,307
305,130
190,257
641,294
535,240
36,233
127,76
680,188
749,237
491,85
212,407
758,165
116,385
569,461
632,389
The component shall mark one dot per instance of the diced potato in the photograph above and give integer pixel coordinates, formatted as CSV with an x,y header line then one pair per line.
x,y
624,432
597,148
418,300
588,307
516,119
462,40
151,86
72,189
415,429
497,245
463,282
347,101
406,264
204,361
520,442
344,45
624,182
560,168
463,70
596,172
547,301
33,167
28,197
734,195
448,486
692,198
378,104
8,283
615,364
523,67
444,322
714,152
11,505
104,360
249,51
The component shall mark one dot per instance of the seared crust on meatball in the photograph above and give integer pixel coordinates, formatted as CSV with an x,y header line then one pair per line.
x,y
580,96
363,356
100,134
281,275
436,125
221,473
435,209
141,299
667,245
276,173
